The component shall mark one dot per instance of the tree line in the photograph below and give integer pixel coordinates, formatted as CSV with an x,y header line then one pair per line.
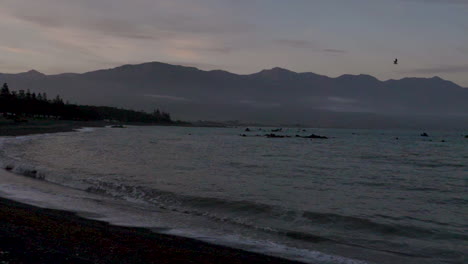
x,y
21,104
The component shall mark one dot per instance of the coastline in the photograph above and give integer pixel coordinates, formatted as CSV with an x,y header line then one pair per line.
x,y
30,234
8,128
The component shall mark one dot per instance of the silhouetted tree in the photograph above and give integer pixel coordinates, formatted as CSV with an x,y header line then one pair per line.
x,y
17,104
5,91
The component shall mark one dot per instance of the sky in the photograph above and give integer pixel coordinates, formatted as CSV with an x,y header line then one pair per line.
x,y
329,37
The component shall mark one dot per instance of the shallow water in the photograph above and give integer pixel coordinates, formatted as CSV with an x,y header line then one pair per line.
x,y
359,195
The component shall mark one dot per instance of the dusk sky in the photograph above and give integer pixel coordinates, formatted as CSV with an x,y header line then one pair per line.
x,y
329,37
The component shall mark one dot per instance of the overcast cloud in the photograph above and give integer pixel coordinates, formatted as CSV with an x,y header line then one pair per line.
x,y
330,37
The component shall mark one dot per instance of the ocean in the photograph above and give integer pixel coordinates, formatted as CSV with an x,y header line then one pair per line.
x,y
360,196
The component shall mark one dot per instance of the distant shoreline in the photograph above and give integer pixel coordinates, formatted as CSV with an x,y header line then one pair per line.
x,y
45,126
9,128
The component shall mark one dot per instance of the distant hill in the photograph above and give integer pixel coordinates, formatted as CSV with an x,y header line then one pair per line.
x,y
271,96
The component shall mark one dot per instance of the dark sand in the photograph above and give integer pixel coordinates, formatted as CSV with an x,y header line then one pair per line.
x,y
34,235
9,128
30,234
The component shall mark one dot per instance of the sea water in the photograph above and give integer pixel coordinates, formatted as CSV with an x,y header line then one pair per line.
x,y
360,196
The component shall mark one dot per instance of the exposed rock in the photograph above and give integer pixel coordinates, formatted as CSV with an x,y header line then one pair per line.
x,y
316,136
275,136
312,136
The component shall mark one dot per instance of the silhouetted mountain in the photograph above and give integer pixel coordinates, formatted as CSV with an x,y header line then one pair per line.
x,y
275,95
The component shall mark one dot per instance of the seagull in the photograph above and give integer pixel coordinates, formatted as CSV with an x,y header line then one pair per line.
x,y
395,61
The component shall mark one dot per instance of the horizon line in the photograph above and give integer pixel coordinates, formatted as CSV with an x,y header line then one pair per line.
x,y
247,74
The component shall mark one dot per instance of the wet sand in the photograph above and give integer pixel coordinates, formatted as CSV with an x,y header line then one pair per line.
x,y
30,234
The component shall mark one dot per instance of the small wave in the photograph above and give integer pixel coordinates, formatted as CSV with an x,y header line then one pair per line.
x,y
241,212
7,160
355,223
306,237
246,213
425,189
85,129
435,164
272,248
168,199
372,184
23,170
244,165
460,201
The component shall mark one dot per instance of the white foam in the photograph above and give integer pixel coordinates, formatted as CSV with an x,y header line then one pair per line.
x,y
124,213
85,129
48,195
267,247
129,213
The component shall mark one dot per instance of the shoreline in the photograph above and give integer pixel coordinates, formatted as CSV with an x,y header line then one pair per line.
x,y
8,128
45,127
30,234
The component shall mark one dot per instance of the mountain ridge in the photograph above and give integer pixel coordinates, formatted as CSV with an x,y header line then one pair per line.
x,y
271,95
274,69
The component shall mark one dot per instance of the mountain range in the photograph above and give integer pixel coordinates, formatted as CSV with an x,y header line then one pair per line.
x,y
274,96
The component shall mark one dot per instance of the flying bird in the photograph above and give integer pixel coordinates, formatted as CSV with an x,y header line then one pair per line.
x,y
395,61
